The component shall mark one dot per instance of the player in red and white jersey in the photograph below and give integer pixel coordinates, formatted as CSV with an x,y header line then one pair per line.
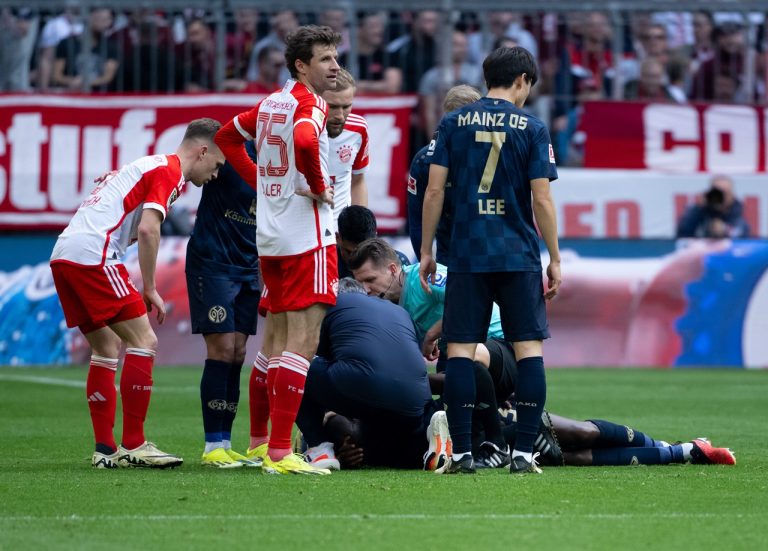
x,y
294,235
348,154
97,295
107,221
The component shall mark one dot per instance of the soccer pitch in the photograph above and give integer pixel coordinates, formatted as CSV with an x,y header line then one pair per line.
x,y
51,498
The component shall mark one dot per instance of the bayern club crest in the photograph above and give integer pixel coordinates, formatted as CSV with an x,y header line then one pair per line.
x,y
345,153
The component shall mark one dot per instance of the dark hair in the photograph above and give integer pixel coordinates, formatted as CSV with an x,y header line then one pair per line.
x,y
714,197
707,14
265,52
356,224
202,128
377,250
676,68
301,42
503,65
727,28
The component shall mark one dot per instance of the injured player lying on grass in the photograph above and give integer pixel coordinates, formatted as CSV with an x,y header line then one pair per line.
x,y
561,441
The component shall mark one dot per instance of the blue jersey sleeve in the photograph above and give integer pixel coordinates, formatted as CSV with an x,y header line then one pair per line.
x,y
417,185
542,156
438,151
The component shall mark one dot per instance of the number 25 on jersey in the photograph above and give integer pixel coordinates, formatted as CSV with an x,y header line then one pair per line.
x,y
266,130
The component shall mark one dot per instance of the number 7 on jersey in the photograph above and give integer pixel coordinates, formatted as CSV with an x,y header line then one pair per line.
x,y
496,139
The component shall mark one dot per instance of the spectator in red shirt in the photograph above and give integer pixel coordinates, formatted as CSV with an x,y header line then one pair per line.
x,y
271,62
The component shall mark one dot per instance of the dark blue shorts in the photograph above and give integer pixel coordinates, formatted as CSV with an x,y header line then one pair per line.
x,y
223,305
469,299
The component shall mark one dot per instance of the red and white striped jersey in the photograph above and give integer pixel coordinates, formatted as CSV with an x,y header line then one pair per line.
x,y
106,222
348,155
292,150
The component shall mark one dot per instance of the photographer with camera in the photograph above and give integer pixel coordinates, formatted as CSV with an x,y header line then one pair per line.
x,y
715,214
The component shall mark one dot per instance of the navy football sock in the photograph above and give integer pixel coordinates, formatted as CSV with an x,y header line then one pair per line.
x,y
509,431
530,395
233,399
486,413
617,436
213,398
633,456
459,398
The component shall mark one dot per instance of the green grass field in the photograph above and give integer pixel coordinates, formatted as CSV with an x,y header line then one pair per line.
x,y
51,498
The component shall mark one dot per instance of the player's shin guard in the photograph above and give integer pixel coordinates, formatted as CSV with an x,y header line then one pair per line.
x,y
233,400
213,398
617,436
288,391
530,394
258,401
459,398
102,400
136,390
632,456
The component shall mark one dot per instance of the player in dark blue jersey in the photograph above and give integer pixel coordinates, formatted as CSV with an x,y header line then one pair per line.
x,y
368,367
355,225
223,287
500,162
458,96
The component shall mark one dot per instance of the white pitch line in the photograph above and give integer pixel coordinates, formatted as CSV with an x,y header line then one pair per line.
x,y
54,381
376,516
72,383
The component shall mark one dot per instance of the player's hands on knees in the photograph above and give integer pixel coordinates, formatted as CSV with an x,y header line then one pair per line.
x,y
349,455
325,197
153,299
554,279
427,270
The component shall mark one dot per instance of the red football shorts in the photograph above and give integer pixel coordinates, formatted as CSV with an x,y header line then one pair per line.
x,y
93,297
296,282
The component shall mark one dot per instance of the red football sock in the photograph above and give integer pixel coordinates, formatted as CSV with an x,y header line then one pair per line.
x,y
272,366
289,389
102,399
136,389
259,401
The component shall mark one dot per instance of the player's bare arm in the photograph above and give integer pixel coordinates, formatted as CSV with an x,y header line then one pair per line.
x,y
546,219
359,190
149,242
429,346
433,208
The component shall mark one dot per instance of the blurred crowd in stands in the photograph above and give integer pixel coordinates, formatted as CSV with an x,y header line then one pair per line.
x,y
662,56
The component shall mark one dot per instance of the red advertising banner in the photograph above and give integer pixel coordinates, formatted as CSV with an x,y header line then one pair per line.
x,y
51,148
679,138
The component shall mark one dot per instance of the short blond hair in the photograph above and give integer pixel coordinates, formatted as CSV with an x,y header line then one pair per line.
x,y
459,96
344,80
